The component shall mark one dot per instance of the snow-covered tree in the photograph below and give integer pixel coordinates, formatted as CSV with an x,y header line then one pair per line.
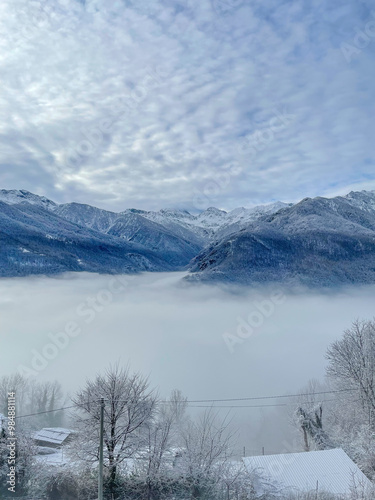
x,y
24,457
129,408
311,423
64,482
352,364
305,413
160,438
206,451
351,370
34,396
237,482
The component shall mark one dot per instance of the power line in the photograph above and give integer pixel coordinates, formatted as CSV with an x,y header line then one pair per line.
x,y
261,406
188,401
251,398
209,401
47,411
268,397
57,409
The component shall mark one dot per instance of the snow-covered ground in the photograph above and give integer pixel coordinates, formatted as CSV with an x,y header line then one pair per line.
x,y
53,457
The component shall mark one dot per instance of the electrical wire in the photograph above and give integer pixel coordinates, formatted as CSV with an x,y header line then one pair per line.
x,y
55,409
268,397
210,401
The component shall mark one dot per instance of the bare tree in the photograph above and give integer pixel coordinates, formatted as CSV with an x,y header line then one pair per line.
x,y
351,370
33,397
206,450
159,439
22,461
237,482
14,383
45,397
129,407
352,363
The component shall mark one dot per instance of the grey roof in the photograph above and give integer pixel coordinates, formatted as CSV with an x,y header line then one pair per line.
x,y
332,470
53,435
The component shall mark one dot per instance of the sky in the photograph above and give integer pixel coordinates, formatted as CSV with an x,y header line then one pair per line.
x,y
175,335
186,103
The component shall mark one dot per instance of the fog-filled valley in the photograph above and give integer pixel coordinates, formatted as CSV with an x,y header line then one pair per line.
x,y
209,342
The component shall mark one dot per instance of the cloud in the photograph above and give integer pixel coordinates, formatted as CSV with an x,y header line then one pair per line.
x,y
182,84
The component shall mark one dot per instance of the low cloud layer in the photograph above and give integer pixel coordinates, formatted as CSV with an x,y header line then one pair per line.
x,y
173,333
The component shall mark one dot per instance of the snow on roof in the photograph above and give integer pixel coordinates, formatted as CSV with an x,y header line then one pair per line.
x,y
55,435
331,470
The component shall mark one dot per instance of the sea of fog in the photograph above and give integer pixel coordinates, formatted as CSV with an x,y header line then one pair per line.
x,y
210,343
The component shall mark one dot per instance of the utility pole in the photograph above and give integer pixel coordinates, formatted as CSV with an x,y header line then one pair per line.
x,y
101,435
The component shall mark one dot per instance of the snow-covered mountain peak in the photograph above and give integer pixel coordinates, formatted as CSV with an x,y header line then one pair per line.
x,y
210,220
215,211
238,211
15,196
364,200
175,213
133,211
212,213
241,217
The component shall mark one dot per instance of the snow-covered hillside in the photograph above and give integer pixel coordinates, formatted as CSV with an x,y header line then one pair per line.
x,y
318,241
198,229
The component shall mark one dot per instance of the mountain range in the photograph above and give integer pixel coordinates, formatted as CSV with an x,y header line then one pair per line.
x,y
316,242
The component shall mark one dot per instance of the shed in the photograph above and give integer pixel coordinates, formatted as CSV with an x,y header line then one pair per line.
x,y
53,437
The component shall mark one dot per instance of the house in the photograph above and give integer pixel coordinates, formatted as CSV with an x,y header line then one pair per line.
x,y
328,470
53,437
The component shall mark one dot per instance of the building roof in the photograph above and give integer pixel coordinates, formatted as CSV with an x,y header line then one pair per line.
x,y
53,435
329,470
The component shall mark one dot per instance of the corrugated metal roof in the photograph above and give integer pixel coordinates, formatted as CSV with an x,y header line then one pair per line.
x,y
331,470
55,435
